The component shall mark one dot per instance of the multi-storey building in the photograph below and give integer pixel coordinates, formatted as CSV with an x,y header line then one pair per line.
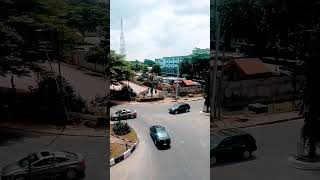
x,y
169,65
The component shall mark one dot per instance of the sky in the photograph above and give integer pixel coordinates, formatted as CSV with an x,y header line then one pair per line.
x,y
160,28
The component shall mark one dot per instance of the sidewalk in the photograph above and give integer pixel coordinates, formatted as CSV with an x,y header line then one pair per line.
x,y
242,121
57,130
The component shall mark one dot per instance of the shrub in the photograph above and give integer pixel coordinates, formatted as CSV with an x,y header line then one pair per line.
x,y
126,94
121,128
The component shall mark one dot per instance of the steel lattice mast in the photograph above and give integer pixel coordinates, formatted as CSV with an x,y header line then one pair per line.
x,y
122,44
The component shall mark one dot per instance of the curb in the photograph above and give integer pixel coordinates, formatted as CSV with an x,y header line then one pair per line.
x,y
293,162
124,155
265,123
42,132
121,138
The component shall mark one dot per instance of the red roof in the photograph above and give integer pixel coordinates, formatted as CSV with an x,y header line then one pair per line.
x,y
250,66
188,82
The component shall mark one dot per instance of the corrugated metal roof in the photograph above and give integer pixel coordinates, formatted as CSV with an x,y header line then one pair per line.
x,y
251,66
188,82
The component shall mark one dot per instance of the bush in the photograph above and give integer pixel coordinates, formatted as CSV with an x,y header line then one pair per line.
x,y
121,128
126,94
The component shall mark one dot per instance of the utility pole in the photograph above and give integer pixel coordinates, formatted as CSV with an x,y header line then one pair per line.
x,y
213,67
177,83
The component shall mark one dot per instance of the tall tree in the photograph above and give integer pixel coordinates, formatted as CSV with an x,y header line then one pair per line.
x,y
156,68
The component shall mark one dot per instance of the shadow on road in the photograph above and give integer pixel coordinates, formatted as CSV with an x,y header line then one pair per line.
x,y
8,137
232,162
163,147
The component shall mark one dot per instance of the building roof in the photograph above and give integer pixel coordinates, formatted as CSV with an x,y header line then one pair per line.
x,y
188,82
250,66
174,57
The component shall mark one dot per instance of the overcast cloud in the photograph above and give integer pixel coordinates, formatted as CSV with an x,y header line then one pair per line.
x,y
159,28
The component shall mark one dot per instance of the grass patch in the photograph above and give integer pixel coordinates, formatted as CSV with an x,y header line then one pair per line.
x,y
132,136
116,150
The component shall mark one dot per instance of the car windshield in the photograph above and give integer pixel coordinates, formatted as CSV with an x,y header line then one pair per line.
x,y
162,134
29,159
175,106
215,140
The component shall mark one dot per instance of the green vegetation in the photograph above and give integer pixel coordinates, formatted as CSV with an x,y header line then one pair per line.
x,y
196,66
148,62
120,128
156,69
30,27
120,69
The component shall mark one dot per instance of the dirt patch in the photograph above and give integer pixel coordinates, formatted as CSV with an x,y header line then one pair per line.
x,y
116,150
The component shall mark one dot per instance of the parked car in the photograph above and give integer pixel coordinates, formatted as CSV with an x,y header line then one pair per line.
x,y
45,164
124,114
160,136
231,145
179,108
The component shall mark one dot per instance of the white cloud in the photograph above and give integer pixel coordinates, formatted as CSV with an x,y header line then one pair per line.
x,y
160,31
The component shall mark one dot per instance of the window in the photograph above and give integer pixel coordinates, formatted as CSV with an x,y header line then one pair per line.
x,y
44,162
61,160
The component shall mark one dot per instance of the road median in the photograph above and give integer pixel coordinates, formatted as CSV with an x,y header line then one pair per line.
x,y
122,146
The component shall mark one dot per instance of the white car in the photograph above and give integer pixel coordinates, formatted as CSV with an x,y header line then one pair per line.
x,y
124,114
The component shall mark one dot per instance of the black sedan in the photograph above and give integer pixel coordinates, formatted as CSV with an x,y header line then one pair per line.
x,y
160,136
179,108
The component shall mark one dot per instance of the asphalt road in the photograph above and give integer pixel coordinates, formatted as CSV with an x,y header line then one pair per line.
x,y
15,145
275,143
187,159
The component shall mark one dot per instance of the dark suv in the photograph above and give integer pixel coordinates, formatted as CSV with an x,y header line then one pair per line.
x,y
230,145
179,108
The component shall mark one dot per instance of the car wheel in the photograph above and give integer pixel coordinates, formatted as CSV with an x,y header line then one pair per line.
x,y
20,177
71,174
246,154
176,112
213,161
155,143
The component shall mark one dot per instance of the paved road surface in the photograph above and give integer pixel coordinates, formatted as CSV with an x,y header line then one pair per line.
x,y
186,160
16,144
275,143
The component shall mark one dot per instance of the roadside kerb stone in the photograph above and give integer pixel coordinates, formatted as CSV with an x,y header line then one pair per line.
x,y
124,155
293,162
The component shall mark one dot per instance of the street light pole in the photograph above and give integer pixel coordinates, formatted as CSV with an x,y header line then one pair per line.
x,y
177,84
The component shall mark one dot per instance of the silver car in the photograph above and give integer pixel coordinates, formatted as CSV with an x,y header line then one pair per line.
x,y
46,165
124,114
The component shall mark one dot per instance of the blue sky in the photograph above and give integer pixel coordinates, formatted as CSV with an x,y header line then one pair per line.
x,y
159,28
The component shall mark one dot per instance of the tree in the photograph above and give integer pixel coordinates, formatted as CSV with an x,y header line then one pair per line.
x,y
156,68
119,68
196,66
144,69
148,62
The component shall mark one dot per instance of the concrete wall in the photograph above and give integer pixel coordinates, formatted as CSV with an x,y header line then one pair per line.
x,y
274,89
79,58
193,89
